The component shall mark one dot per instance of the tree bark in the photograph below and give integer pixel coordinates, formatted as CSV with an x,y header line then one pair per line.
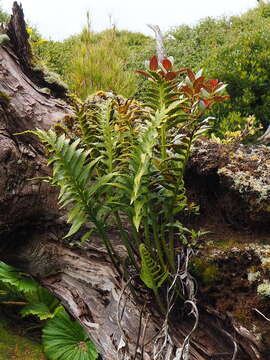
x,y
124,325
23,106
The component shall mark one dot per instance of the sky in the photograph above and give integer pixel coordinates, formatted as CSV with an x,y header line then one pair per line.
x,y
58,19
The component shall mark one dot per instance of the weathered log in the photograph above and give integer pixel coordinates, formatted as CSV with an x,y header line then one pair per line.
x,y
83,278
23,106
90,290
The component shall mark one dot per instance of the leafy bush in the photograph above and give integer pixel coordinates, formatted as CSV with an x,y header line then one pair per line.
x,y
191,45
243,62
235,50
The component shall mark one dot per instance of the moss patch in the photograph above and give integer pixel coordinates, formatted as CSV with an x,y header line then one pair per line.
x,y
14,347
204,270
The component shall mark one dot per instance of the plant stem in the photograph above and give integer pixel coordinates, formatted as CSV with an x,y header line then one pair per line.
x,y
163,142
157,240
147,235
159,301
135,236
126,241
167,249
20,303
112,254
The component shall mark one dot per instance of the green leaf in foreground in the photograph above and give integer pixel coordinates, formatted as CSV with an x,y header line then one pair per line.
x,y
65,339
11,277
41,310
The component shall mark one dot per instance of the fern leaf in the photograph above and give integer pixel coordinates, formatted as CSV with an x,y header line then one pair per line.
x,y
140,165
68,161
151,272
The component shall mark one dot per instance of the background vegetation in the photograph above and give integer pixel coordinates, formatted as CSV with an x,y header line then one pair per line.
x,y
91,61
233,50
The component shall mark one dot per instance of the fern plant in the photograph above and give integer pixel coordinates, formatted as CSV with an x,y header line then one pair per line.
x,y
129,174
184,123
75,173
151,273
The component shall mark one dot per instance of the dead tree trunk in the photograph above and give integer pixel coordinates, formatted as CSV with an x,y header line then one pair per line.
x,y
31,228
24,106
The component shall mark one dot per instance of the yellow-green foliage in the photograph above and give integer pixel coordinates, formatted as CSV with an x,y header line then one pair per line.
x,y
71,57
235,128
204,270
4,17
99,63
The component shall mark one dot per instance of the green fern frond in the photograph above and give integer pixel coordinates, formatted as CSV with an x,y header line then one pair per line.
x,y
140,164
106,132
151,272
84,120
108,138
160,93
73,172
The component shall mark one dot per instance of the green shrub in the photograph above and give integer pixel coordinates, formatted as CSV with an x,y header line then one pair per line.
x,y
244,62
191,45
4,17
235,50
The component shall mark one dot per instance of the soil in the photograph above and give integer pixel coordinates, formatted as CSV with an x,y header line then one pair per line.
x,y
222,269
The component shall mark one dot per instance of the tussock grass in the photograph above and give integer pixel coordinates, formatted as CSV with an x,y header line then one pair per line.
x,y
100,63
